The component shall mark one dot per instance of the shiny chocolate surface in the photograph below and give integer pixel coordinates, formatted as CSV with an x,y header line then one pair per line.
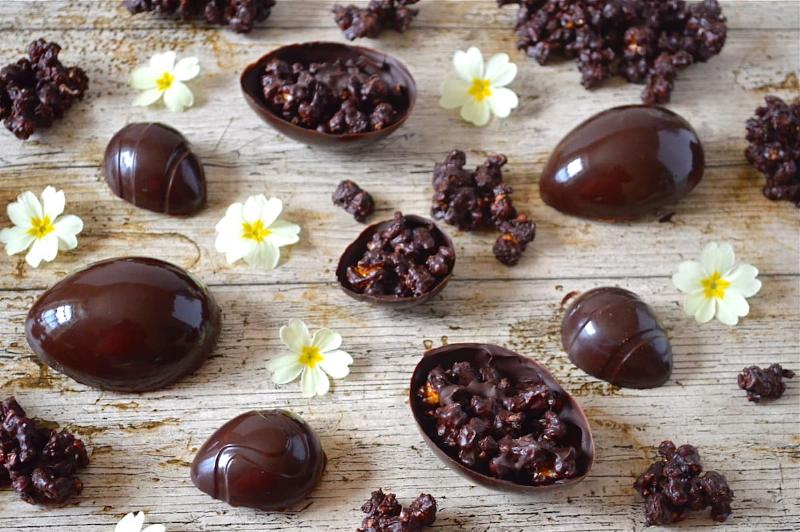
x,y
613,335
125,324
267,459
623,163
152,166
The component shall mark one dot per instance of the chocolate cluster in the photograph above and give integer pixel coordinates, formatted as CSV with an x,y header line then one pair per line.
x,y
38,89
761,383
500,427
402,260
644,41
39,463
479,199
240,15
338,97
353,199
774,137
673,485
385,514
370,21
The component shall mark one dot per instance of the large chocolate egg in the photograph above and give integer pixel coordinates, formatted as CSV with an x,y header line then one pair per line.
x,y
623,163
613,335
126,324
268,459
152,166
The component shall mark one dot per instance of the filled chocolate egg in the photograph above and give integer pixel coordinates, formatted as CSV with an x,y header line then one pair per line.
x,y
623,163
612,334
267,459
125,324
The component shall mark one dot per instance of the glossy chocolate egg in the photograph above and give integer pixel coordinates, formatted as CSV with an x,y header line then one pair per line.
x,y
613,335
152,166
623,163
267,459
126,324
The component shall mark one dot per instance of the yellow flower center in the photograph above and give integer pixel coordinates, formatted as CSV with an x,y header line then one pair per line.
x,y
715,286
41,227
255,231
480,89
165,81
310,356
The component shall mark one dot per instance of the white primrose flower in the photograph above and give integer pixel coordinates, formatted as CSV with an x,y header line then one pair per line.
x,y
480,89
134,522
253,232
38,225
715,287
313,359
162,77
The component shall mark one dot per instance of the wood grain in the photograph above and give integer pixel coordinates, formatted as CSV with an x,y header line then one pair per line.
x,y
142,444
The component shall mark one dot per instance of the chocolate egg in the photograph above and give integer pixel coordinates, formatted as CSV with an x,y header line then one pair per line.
x,y
499,371
267,459
125,324
623,163
613,335
152,166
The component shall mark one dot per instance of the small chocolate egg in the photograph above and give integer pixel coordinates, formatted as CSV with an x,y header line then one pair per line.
x,y
623,163
152,166
267,459
127,324
613,335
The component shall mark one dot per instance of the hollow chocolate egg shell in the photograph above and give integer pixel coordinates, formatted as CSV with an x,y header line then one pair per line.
x,y
126,324
153,167
612,334
268,459
623,163
516,367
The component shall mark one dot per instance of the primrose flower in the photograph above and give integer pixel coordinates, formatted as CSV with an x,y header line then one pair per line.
x,y
163,77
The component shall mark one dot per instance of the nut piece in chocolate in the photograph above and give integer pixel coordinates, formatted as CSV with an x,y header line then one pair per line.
x,y
407,259
37,90
353,199
370,21
764,383
673,485
385,514
39,463
240,15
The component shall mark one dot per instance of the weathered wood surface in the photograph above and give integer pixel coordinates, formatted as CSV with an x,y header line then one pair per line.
x,y
142,444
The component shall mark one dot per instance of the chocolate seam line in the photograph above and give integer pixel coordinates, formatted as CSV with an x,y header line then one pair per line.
x,y
178,155
628,347
589,318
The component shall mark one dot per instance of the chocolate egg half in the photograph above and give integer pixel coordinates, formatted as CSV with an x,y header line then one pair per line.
x,y
475,395
268,459
613,335
125,324
623,163
152,166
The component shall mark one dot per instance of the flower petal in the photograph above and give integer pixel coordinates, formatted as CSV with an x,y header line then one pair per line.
x,y
131,522
717,258
258,207
477,113
285,368
178,97
336,364
295,335
455,93
264,255
284,233
53,202
500,71
26,207
690,274
43,249
502,101
163,62
186,69
732,307
743,280
314,382
148,97
706,309
16,239
231,223
142,79
327,340
68,226
469,64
